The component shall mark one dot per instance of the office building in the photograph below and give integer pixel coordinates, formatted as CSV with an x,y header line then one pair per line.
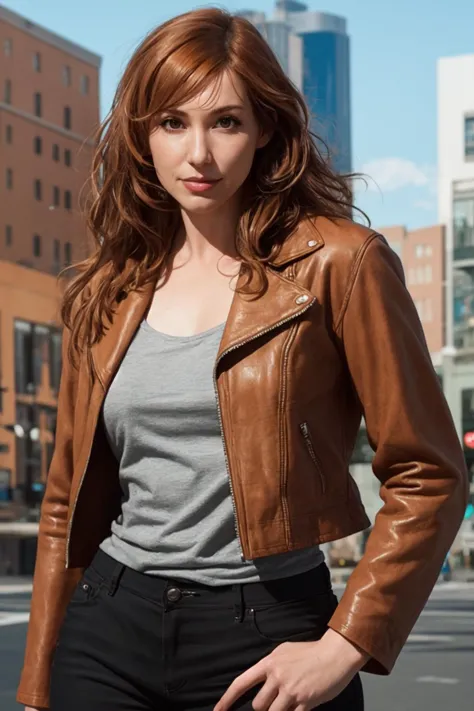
x,y
313,49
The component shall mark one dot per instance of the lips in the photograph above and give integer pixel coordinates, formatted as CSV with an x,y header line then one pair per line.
x,y
199,185
200,180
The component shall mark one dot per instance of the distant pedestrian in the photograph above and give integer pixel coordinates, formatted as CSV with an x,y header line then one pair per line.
x,y
221,345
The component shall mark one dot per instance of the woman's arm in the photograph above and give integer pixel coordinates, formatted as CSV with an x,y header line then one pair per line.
x,y
418,459
52,584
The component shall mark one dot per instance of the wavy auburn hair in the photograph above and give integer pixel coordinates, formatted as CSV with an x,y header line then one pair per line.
x,y
133,221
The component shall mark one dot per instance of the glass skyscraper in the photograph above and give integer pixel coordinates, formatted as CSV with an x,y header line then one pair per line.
x,y
313,49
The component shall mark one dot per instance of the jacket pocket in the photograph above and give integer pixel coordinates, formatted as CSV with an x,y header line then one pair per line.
x,y
304,429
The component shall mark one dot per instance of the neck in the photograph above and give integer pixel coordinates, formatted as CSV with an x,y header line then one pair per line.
x,y
207,236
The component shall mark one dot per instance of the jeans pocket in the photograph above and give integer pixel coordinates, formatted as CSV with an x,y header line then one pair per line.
x,y
294,620
88,587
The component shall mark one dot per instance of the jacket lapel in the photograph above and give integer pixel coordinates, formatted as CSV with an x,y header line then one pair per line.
x,y
248,317
107,354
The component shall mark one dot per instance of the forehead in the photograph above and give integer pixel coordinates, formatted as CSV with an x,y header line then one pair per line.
x,y
226,89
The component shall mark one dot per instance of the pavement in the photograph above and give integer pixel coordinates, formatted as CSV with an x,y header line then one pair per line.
x,y
433,672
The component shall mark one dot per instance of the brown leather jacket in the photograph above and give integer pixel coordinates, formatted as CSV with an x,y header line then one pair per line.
x,y
335,337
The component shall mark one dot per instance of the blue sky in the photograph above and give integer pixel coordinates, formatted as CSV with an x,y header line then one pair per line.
x,y
394,48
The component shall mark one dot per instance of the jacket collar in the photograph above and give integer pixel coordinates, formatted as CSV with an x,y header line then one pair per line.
x,y
248,317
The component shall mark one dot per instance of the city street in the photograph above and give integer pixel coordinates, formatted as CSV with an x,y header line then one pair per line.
x,y
434,672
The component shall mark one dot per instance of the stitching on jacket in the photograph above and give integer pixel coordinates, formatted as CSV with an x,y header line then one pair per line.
x,y
353,276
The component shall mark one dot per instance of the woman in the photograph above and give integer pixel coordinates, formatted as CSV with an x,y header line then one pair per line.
x,y
220,347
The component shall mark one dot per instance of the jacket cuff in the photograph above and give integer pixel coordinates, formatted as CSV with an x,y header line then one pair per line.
x,y
382,649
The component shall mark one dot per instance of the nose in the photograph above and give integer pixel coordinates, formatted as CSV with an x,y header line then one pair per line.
x,y
199,151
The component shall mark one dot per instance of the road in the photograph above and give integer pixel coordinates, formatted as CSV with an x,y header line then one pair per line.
x,y
434,672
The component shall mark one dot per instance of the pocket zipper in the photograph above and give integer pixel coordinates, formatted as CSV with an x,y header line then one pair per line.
x,y
309,446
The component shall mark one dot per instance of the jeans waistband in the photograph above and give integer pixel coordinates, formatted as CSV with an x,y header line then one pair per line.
x,y
316,581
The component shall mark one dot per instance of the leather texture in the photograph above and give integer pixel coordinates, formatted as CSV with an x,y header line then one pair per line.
x,y
335,337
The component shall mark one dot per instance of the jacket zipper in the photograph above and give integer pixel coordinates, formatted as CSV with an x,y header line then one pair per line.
x,y
283,432
229,350
309,444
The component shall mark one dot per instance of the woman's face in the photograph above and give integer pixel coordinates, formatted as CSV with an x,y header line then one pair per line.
x,y
215,142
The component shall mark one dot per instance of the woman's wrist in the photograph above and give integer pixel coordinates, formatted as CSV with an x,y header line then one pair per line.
x,y
345,651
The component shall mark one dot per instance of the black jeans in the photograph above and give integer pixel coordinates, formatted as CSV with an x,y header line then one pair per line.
x,y
135,642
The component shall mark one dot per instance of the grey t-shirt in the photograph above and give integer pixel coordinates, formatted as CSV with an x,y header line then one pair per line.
x,y
177,517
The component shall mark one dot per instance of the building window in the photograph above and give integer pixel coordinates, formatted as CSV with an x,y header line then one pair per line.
x,y
56,196
36,246
420,275
68,253
24,376
428,310
7,47
463,307
85,84
31,351
8,235
67,76
38,104
7,91
55,152
469,137
54,359
67,158
67,117
67,199
9,179
9,133
419,251
5,483
419,308
56,251
463,228
428,274
38,145
38,189
37,61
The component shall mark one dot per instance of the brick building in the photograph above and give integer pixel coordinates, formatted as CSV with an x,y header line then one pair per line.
x,y
49,110
422,252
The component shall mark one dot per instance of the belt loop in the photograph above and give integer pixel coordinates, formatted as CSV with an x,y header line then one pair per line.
x,y
115,579
239,603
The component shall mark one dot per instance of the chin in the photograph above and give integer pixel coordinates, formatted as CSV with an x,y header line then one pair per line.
x,y
200,204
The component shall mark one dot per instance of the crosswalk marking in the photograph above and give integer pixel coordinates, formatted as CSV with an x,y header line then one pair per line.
x,y
14,618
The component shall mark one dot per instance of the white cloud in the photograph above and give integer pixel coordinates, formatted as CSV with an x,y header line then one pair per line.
x,y
424,204
388,174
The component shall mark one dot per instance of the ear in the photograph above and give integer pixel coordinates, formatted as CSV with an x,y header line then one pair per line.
x,y
264,139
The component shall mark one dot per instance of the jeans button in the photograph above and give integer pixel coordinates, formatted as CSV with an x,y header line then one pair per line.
x,y
173,594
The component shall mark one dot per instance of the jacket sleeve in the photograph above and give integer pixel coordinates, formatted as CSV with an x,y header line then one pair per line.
x,y
418,459
52,583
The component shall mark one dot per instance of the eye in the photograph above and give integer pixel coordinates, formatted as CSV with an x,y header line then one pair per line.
x,y
167,124
234,122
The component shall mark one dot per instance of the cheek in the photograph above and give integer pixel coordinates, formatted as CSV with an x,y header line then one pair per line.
x,y
238,161
164,159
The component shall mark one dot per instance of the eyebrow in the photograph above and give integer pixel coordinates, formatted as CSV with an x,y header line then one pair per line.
x,y
218,110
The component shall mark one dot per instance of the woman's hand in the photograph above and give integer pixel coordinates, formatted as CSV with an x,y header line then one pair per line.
x,y
35,708
299,675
